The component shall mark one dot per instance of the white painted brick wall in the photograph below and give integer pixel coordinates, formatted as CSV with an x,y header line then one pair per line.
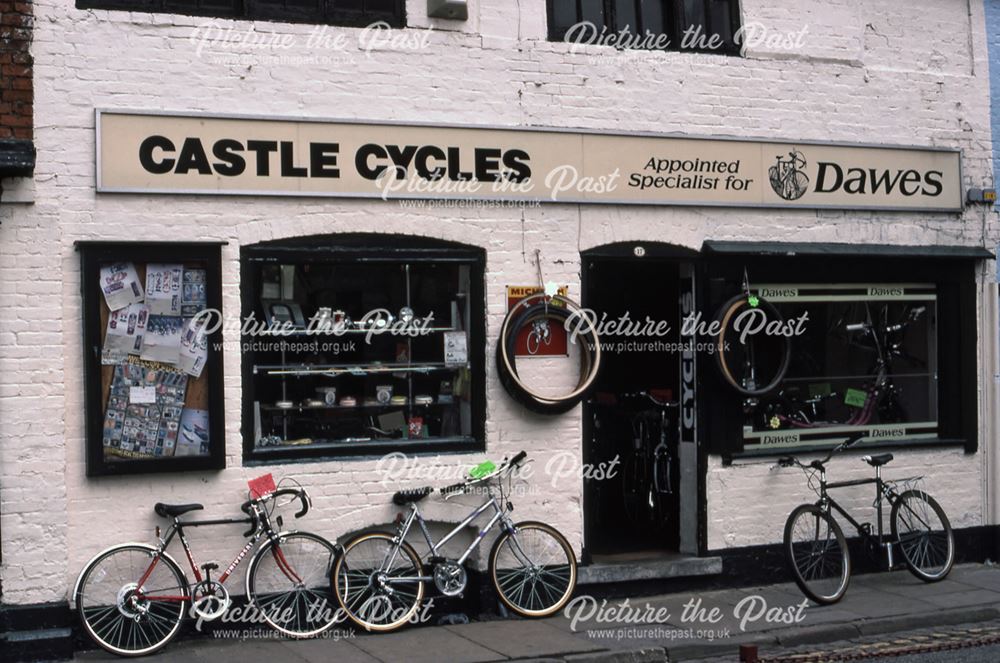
x,y
874,71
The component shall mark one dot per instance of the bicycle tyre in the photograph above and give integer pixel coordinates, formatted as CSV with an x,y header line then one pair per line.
x,y
103,613
723,316
557,308
556,572
318,577
794,557
343,584
910,554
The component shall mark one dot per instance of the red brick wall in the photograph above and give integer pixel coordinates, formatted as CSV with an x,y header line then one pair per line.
x,y
15,69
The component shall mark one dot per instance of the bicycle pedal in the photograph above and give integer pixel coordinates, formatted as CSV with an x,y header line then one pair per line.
x,y
209,566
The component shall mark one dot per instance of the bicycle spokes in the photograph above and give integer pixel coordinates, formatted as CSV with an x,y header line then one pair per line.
x,y
290,583
532,570
125,617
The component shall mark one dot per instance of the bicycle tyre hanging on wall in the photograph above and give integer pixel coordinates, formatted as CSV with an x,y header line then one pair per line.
x,y
558,309
747,381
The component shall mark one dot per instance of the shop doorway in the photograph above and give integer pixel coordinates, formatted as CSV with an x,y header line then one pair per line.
x,y
633,420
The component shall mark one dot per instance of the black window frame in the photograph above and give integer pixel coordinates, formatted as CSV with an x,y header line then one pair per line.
x,y
675,21
326,12
368,248
958,343
92,255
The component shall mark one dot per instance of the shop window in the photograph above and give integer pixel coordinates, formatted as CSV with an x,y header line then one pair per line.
x,y
152,356
362,344
357,13
690,25
866,361
886,349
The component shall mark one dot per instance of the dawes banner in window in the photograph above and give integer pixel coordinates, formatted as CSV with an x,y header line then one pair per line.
x,y
157,153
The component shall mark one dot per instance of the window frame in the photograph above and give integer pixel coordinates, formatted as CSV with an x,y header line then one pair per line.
x,y
252,10
957,343
556,34
92,255
369,248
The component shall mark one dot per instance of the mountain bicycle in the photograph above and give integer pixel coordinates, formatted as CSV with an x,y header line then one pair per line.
x,y
814,545
380,579
132,598
648,467
787,178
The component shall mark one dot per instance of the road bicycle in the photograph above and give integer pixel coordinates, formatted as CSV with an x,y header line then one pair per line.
x,y
380,579
814,545
787,178
879,396
647,468
132,598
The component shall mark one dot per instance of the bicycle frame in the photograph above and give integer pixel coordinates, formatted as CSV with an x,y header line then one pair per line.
x,y
414,515
882,491
177,528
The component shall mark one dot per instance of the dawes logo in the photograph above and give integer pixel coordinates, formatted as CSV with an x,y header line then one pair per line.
x,y
787,177
789,180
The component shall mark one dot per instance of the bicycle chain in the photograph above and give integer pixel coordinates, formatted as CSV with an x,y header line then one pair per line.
x,y
954,641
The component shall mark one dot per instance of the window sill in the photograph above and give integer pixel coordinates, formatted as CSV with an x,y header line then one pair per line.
x,y
321,451
901,443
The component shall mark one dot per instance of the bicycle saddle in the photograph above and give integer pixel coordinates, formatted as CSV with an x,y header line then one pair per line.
x,y
412,495
174,510
877,461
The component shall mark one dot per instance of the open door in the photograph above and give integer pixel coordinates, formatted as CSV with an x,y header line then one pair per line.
x,y
640,418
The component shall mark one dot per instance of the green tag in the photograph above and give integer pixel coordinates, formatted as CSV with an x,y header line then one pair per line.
x,y
481,470
753,300
855,397
819,389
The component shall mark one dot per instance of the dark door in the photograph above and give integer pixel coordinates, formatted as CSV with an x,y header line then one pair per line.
x,y
631,420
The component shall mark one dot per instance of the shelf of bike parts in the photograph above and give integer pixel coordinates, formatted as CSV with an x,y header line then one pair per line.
x,y
360,370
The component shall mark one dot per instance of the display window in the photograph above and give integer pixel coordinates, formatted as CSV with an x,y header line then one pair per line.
x,y
357,344
865,361
851,344
152,356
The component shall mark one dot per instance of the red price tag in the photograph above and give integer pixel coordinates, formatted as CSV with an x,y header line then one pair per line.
x,y
261,486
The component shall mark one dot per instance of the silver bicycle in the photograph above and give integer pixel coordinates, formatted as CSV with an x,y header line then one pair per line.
x,y
380,579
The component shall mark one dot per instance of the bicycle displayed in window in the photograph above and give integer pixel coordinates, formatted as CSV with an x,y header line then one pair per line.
x,y
380,580
878,396
132,598
814,544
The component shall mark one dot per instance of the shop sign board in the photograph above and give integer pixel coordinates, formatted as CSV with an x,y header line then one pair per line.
x,y
149,152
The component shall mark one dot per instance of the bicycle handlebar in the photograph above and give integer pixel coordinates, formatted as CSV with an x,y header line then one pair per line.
x,y
507,465
254,517
789,461
859,326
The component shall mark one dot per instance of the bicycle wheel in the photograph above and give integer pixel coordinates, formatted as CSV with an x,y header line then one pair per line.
x,y
289,582
778,352
817,554
924,535
363,581
123,617
533,569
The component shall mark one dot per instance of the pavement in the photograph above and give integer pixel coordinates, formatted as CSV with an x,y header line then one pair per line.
x,y
685,626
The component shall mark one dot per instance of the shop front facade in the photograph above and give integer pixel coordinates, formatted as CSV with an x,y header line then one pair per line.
x,y
191,163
